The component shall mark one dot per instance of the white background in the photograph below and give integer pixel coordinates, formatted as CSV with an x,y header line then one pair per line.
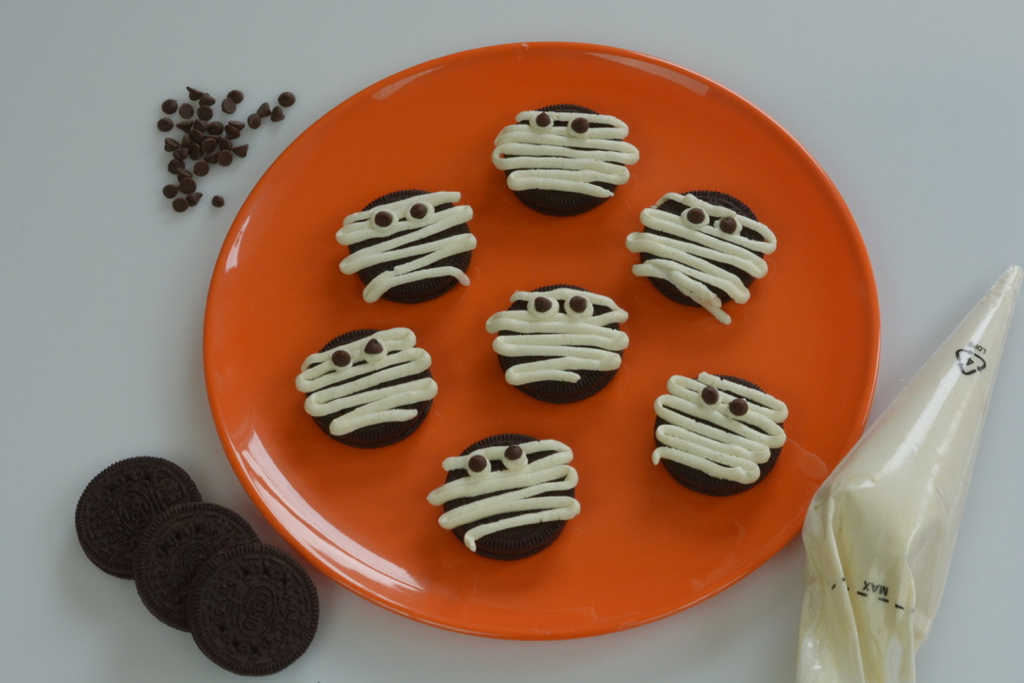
x,y
914,110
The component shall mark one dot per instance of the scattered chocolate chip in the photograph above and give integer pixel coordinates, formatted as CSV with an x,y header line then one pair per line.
x,y
194,198
208,145
709,395
728,225
286,99
183,173
231,133
263,110
201,168
254,120
738,407
174,165
170,191
695,215
215,128
217,201
164,125
277,114
228,106
207,100
236,96
241,150
194,93
204,113
196,134
224,157
184,125
186,110
170,144
223,143
180,204
187,185
180,153
240,125
195,152
169,106
341,358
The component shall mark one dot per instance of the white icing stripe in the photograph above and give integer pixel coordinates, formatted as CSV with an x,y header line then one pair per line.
x,y
524,491
688,255
361,393
731,447
555,158
402,234
567,343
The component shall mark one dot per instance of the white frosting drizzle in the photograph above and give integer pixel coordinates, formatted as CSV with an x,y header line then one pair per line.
x,y
685,253
733,448
405,230
516,490
370,402
556,158
568,342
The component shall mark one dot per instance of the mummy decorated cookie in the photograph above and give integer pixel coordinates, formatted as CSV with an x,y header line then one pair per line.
x,y
718,435
564,160
702,249
559,343
368,388
409,246
509,496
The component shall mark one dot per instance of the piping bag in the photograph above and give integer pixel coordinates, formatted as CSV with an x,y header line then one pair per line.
x,y
879,532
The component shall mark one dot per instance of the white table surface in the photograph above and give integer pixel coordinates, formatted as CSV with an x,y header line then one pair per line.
x,y
913,109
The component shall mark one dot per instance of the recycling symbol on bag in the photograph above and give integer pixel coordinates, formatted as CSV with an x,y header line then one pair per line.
x,y
970,361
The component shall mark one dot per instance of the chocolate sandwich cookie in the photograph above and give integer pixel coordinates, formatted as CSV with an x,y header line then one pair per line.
x,y
368,388
173,548
564,159
718,435
252,609
702,248
509,496
118,504
559,343
409,246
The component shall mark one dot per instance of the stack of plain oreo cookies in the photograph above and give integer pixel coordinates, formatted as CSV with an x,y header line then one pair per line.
x,y
198,566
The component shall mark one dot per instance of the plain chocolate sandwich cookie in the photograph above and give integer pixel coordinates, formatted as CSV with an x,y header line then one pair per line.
x,y
118,504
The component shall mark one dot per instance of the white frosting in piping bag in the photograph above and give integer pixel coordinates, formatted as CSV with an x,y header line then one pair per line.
x,y
880,531
733,448
517,490
402,233
568,342
363,377
557,158
687,254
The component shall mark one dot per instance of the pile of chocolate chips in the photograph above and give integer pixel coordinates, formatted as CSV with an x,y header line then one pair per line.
x,y
207,138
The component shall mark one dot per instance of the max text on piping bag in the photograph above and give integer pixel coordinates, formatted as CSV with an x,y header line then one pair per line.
x,y
880,531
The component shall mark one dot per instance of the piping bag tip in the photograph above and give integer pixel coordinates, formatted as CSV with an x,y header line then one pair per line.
x,y
880,531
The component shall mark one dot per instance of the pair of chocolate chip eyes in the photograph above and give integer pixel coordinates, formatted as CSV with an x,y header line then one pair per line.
x,y
575,305
578,125
737,406
726,224
513,457
384,218
371,349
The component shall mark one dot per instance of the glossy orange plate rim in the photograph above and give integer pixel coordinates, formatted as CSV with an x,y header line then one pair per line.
x,y
642,547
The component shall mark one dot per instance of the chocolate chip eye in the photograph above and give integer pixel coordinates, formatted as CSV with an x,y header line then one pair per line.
x,y
373,348
738,407
541,120
478,464
709,395
341,358
543,306
728,225
419,210
578,306
514,458
580,126
383,218
696,216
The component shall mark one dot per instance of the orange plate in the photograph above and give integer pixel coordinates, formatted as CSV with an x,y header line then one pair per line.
x,y
643,547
